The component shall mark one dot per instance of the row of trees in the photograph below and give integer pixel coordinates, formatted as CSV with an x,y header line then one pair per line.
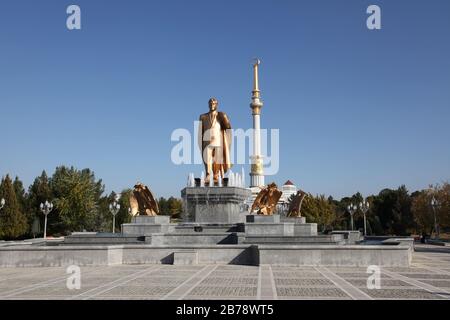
x,y
392,212
79,204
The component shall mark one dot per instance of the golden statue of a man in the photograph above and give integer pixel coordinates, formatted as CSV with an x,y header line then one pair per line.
x,y
214,139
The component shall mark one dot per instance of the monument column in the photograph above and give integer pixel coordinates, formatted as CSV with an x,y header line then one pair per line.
x,y
256,172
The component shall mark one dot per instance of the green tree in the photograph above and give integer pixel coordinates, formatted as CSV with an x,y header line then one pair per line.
x,y
22,202
77,194
175,207
393,208
13,222
318,209
21,195
38,193
163,207
123,216
424,213
443,198
422,210
103,218
342,221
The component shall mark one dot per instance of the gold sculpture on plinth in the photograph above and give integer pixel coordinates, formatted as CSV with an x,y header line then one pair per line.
x,y
214,140
266,200
295,206
142,201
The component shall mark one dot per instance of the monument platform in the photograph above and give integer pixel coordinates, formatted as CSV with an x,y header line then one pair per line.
x,y
146,225
189,227
95,238
215,204
158,239
218,231
260,225
248,254
295,240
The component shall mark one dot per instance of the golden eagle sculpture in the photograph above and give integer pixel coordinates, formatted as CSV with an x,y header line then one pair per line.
x,y
143,202
266,200
295,206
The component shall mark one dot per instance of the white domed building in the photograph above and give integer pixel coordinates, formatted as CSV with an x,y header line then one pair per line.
x,y
288,189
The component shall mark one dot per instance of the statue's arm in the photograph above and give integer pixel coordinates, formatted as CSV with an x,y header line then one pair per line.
x,y
226,125
200,136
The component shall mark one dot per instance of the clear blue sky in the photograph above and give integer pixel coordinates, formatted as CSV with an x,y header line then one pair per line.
x,y
358,110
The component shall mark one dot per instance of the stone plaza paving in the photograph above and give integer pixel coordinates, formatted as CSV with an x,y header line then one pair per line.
x,y
427,278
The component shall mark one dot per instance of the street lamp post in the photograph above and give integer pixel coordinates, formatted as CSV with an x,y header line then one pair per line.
x,y
351,209
364,206
434,205
46,208
2,203
114,208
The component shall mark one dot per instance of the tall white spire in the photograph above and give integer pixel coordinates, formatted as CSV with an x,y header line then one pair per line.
x,y
256,172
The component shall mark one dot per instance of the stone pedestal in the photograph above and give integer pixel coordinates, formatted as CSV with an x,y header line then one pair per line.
x,y
259,225
269,229
146,225
296,220
195,238
151,219
305,229
257,218
351,237
216,205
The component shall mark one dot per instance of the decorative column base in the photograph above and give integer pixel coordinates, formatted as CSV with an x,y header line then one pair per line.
x,y
215,205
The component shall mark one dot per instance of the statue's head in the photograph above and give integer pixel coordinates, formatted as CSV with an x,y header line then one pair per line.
x,y
213,103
